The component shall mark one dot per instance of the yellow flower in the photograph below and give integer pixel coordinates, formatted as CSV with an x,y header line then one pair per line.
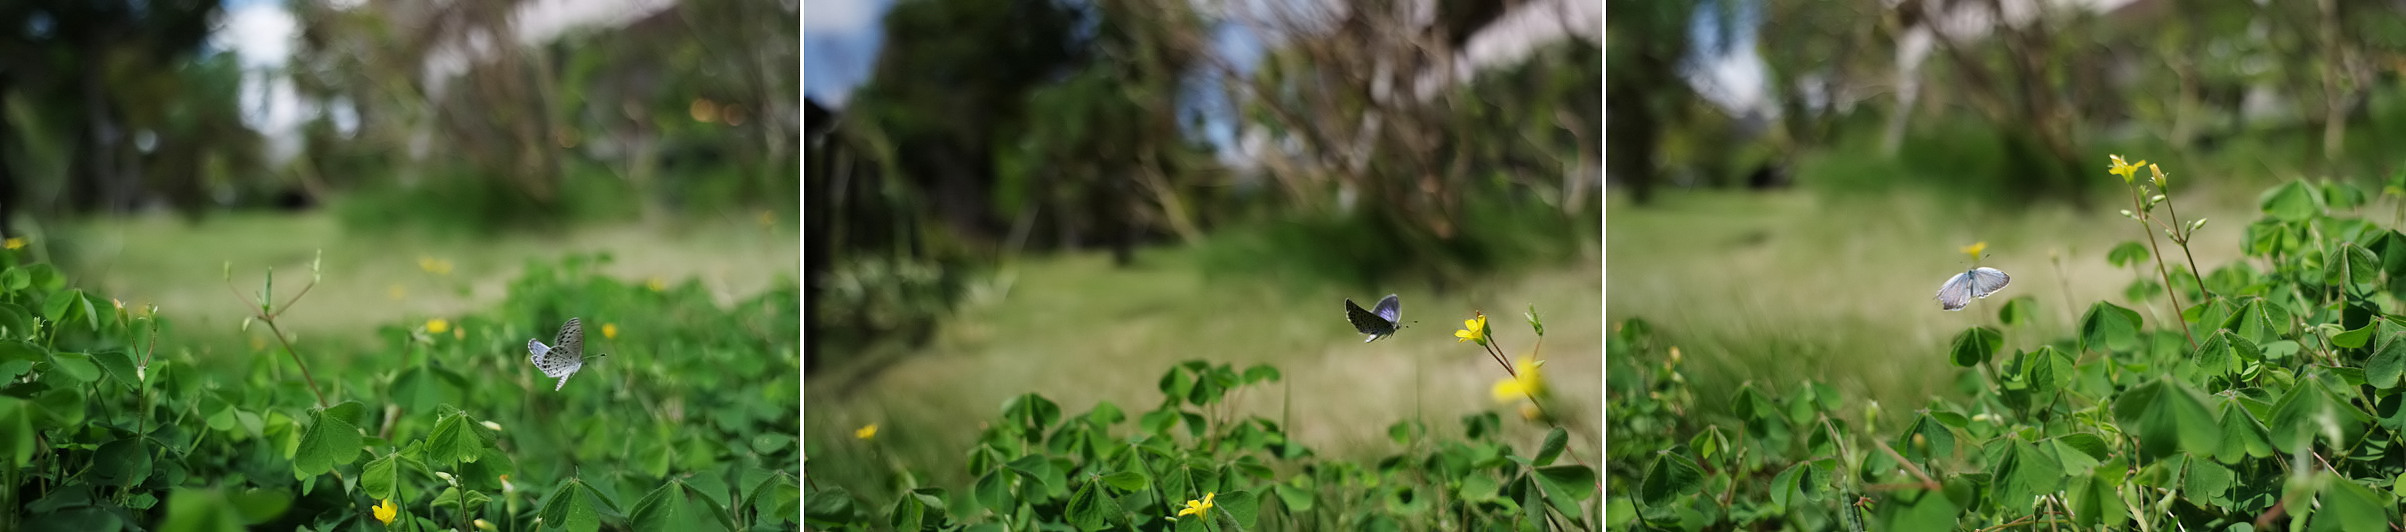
x,y
437,325
1529,383
1474,329
656,284
866,432
16,243
1975,249
610,331
2128,171
1197,508
386,511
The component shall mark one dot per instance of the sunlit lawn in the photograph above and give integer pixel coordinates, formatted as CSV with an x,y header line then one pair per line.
x,y
1775,287
372,280
1078,331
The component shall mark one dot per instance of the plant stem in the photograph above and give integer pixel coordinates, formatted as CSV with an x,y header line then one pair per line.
x,y
2135,197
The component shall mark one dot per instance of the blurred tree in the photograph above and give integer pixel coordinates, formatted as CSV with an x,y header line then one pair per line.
x,y
950,84
103,70
1645,40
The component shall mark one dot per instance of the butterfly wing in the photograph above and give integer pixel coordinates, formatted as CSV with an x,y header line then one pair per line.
x,y
1987,281
1956,293
1389,309
1367,322
535,351
564,373
570,346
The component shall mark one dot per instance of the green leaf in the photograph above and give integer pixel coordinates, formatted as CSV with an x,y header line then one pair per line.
x,y
2308,412
569,506
378,477
1568,487
2242,435
2018,311
1926,439
1260,373
1242,506
1296,499
1976,345
1555,440
2095,502
1126,480
257,505
2386,365
2291,202
454,441
1090,509
328,441
2354,339
1536,324
2209,483
993,491
121,464
671,507
2111,327
16,432
120,367
200,510
2168,417
2347,505
1671,476
1915,510
2049,370
2027,471
77,366
2126,254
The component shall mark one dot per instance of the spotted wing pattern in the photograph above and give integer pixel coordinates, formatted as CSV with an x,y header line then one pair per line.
x,y
564,357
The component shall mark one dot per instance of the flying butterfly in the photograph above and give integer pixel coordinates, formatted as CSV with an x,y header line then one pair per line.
x,y
565,357
1978,282
1380,322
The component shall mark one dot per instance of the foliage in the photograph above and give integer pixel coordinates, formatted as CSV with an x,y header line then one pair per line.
x,y
1196,462
2275,399
687,426
1361,250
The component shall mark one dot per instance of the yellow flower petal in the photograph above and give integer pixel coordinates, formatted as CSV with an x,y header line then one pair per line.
x,y
866,432
385,511
16,243
438,326
610,331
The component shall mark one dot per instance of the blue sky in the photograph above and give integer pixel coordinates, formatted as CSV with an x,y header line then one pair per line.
x,y
840,39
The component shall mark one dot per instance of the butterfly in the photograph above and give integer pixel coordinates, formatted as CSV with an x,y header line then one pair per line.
x,y
1378,324
562,360
1978,282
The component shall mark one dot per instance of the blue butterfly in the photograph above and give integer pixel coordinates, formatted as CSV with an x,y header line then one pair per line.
x,y
1378,324
1959,290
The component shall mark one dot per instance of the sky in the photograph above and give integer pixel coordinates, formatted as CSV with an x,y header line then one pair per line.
x,y
839,46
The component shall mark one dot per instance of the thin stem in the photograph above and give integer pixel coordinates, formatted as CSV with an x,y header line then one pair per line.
x,y
2177,310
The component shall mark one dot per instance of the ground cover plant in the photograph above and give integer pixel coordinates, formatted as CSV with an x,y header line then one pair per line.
x,y
1196,459
444,426
2271,399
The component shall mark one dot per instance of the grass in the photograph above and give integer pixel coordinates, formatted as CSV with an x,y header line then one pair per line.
x,y
1774,287
370,281
1080,331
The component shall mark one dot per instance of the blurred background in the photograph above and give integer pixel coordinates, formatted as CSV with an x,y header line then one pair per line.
x,y
1067,197
1792,180
428,150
